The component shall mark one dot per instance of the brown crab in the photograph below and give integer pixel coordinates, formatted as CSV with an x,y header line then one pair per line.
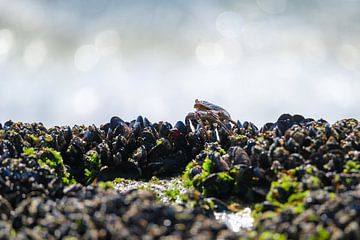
x,y
209,113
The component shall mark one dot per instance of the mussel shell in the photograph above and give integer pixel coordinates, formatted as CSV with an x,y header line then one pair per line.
x,y
181,127
219,162
294,161
115,122
147,123
238,155
137,128
268,127
164,129
195,171
219,206
284,122
148,139
167,165
5,208
215,186
92,136
140,120
163,149
127,169
298,119
249,146
250,126
238,124
140,155
8,124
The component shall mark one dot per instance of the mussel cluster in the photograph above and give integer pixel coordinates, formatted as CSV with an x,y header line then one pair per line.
x,y
301,176
286,167
30,154
44,175
98,213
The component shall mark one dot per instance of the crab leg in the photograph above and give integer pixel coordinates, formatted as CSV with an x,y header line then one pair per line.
x,y
190,121
216,119
208,115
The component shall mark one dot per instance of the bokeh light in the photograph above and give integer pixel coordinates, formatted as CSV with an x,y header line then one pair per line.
x,y
209,54
6,43
229,24
86,57
349,56
232,51
35,54
107,42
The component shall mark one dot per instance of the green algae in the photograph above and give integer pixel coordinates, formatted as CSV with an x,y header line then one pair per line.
x,y
92,166
51,160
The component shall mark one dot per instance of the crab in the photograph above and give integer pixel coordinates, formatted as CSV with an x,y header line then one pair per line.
x,y
209,113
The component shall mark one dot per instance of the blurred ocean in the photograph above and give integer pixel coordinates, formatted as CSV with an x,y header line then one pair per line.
x,y
71,62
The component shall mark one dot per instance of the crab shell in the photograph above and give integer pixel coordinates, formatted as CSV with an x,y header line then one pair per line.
x,y
201,105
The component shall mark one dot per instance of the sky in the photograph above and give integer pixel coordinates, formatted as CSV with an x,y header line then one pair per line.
x,y
81,62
